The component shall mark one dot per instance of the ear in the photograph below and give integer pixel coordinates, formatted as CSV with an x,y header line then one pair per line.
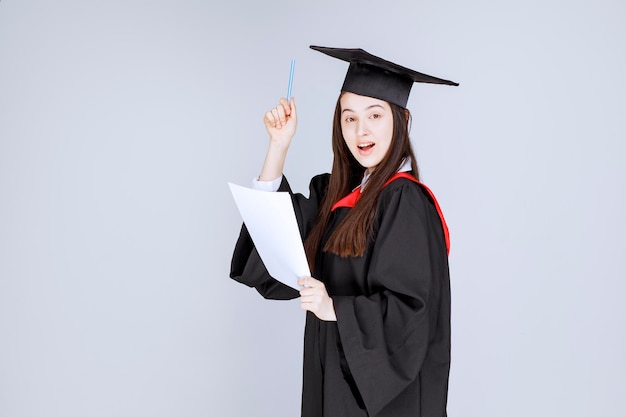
x,y
407,113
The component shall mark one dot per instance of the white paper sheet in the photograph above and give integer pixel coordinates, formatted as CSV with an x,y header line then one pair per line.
x,y
272,224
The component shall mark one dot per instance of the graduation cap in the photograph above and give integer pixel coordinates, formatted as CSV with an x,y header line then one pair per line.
x,y
371,76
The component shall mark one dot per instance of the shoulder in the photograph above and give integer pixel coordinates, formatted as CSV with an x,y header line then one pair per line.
x,y
412,198
411,201
321,179
404,189
319,184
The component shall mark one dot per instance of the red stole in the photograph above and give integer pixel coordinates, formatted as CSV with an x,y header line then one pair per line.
x,y
351,199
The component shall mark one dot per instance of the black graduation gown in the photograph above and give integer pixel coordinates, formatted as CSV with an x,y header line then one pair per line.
x,y
388,354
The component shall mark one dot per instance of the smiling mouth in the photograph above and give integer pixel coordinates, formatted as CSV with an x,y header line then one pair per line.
x,y
365,146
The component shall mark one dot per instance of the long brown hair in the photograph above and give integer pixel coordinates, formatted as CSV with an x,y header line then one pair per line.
x,y
351,236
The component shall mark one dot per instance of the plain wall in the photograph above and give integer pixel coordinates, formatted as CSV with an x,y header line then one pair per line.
x,y
122,121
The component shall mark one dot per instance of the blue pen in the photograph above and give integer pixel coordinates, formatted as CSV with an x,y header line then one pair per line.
x,y
293,64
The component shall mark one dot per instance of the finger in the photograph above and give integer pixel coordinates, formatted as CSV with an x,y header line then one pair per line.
x,y
311,299
311,292
281,114
307,289
286,105
277,123
303,281
269,118
311,282
311,305
306,307
292,105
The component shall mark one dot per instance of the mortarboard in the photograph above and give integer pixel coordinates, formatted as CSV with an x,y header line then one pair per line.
x,y
371,76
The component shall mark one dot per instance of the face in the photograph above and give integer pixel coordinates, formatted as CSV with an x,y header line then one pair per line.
x,y
367,127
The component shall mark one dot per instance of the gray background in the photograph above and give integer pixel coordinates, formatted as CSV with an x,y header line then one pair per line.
x,y
122,121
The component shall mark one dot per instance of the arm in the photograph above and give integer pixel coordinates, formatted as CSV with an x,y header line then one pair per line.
x,y
246,265
398,332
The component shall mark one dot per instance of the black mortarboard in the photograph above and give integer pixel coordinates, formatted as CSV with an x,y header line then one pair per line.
x,y
371,76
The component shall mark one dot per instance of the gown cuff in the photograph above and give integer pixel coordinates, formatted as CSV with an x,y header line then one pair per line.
x,y
272,185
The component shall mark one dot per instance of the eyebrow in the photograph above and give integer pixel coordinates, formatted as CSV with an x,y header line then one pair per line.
x,y
369,107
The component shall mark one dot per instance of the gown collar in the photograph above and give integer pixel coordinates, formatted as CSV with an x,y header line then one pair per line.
x,y
405,166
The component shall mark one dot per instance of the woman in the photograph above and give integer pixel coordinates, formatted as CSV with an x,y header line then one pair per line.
x,y
377,335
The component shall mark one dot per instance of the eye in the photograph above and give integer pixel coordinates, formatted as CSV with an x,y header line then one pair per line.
x,y
375,116
349,119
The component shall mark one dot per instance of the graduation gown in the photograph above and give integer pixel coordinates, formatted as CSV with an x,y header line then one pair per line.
x,y
388,353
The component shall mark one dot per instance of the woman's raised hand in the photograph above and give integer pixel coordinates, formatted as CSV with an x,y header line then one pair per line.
x,y
280,122
315,298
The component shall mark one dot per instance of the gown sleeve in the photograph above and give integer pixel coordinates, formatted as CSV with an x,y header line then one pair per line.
x,y
246,264
399,331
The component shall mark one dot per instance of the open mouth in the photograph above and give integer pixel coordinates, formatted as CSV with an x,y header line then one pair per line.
x,y
366,146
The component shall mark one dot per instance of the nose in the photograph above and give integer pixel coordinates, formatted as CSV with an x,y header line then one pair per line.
x,y
361,128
